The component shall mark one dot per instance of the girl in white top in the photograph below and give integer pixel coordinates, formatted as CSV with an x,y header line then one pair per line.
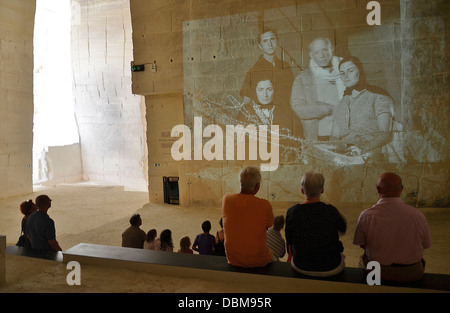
x,y
151,242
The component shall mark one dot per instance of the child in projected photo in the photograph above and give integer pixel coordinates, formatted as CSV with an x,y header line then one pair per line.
x,y
363,119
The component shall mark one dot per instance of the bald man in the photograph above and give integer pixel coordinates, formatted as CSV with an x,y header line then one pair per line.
x,y
393,233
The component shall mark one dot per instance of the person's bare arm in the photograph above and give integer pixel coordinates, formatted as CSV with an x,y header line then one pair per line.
x,y
54,245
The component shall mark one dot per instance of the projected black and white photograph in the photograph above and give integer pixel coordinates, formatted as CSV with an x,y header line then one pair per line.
x,y
334,86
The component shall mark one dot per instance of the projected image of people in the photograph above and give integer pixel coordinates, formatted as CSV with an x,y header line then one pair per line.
x,y
273,73
362,121
268,62
317,90
267,87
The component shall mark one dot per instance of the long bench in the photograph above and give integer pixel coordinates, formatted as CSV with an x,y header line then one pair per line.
x,y
53,256
217,268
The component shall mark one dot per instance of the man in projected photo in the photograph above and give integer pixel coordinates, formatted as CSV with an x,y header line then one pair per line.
x,y
363,119
280,75
317,90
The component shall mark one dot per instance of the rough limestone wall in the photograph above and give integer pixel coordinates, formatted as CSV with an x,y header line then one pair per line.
x,y
202,50
425,35
16,94
109,116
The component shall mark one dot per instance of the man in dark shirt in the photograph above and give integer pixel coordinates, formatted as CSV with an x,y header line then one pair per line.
x,y
312,231
133,236
41,228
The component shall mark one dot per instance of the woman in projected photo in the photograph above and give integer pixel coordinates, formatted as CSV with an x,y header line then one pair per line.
x,y
261,108
363,118
264,108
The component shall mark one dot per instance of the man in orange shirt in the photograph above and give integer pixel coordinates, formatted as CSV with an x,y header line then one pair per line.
x,y
245,221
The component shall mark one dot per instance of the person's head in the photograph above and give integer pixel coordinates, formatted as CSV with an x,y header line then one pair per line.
x,y
321,51
206,226
136,220
268,42
250,179
43,202
312,184
389,185
221,222
264,91
27,207
185,243
351,71
151,235
166,237
278,222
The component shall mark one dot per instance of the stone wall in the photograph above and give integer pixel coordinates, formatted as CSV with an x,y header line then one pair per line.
x,y
197,53
16,94
109,116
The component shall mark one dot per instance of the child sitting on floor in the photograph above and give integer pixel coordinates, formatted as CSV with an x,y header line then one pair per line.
x,y
185,243
204,242
275,241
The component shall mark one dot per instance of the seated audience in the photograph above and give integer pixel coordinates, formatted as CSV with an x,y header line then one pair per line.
x,y
246,219
26,207
393,233
219,247
312,232
151,242
41,228
166,240
133,236
275,241
204,242
185,244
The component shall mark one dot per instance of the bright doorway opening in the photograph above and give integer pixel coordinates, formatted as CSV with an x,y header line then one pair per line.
x,y
55,131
